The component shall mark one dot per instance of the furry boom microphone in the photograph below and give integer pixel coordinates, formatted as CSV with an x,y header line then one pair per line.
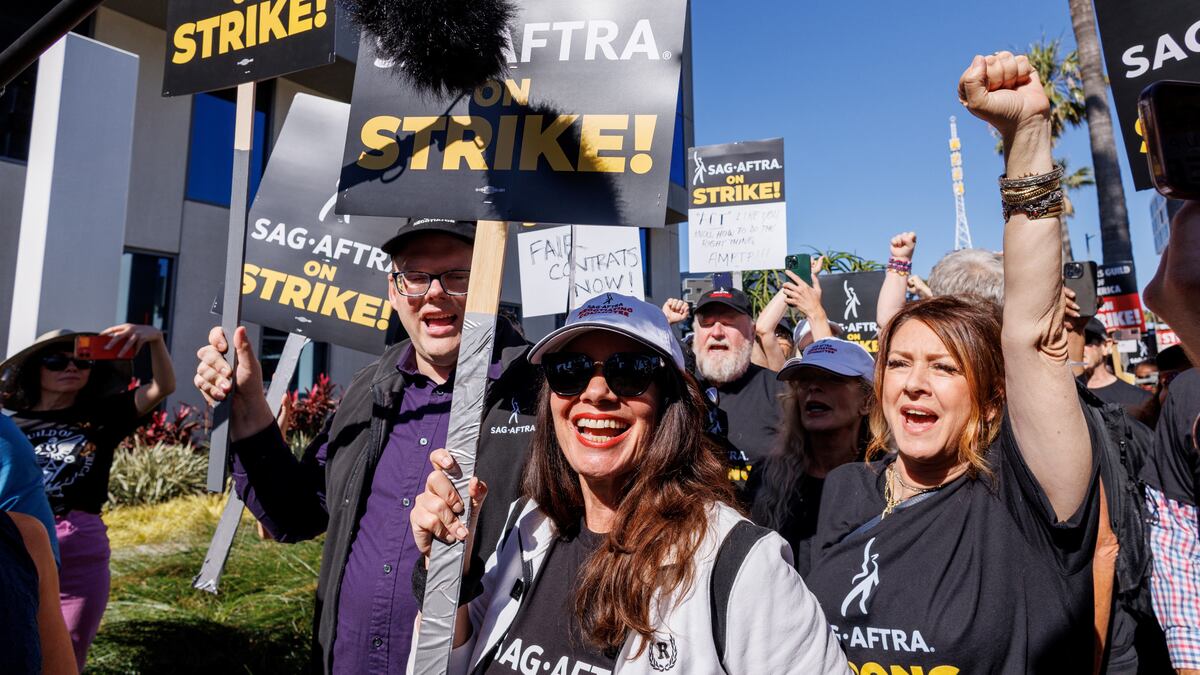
x,y
443,46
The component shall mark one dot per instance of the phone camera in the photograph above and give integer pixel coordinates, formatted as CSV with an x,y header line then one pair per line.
x,y
1073,270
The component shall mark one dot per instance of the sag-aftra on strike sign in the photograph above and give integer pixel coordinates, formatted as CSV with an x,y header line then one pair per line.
x,y
214,44
578,129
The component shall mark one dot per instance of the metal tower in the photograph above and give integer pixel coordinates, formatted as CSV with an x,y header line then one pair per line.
x,y
962,233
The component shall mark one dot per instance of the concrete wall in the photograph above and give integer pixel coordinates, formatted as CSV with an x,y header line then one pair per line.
x,y
12,192
160,138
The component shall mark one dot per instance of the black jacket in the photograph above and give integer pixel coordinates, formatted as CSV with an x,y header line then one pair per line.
x,y
299,499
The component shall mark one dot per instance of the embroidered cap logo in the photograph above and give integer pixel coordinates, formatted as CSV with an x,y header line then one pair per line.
x,y
865,581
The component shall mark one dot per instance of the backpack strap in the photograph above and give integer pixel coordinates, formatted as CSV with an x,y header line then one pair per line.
x,y
514,514
730,556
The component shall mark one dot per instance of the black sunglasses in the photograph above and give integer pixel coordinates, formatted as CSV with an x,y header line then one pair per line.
x,y
58,362
627,373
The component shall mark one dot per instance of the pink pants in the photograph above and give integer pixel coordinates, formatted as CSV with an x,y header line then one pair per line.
x,y
84,579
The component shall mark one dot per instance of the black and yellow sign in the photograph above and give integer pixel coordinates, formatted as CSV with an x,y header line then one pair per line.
x,y
577,130
849,299
308,270
1145,42
214,44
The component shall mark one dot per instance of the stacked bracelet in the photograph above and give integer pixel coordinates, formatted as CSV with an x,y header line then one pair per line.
x,y
1037,196
901,267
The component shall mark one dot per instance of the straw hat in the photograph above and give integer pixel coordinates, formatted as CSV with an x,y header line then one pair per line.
x,y
107,377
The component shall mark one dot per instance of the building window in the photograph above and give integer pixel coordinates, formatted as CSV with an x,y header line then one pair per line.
x,y
144,297
16,115
210,146
314,360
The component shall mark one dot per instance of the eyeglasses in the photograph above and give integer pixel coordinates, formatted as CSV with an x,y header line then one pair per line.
x,y
627,373
416,284
59,362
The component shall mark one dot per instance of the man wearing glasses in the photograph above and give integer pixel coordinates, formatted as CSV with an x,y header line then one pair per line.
x,y
357,480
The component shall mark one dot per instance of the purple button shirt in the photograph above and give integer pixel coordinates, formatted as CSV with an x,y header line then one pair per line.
x,y
376,607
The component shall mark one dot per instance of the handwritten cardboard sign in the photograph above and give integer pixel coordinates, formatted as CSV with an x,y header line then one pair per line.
x,y
607,260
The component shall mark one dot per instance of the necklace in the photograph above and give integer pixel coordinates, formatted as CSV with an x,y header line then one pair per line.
x,y
891,496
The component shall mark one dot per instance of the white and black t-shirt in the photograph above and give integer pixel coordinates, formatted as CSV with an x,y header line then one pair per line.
x,y
978,577
545,637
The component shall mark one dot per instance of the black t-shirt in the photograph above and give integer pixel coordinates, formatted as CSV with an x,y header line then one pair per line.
x,y
800,526
74,448
750,412
1121,393
1174,468
546,634
977,577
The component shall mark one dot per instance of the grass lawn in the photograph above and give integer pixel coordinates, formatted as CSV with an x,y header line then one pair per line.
x,y
261,621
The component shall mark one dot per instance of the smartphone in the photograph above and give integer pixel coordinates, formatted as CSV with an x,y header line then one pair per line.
x,y
1080,276
800,264
722,280
1170,114
94,347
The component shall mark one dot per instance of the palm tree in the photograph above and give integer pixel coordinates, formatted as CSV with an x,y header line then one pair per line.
x,y
1114,219
1062,81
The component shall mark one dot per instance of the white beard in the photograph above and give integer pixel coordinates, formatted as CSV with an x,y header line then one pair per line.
x,y
720,368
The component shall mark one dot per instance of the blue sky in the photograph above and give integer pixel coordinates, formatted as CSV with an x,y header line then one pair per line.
x,y
862,92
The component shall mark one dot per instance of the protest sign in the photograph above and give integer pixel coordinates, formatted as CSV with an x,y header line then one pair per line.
x,y
579,130
1165,337
307,270
214,44
1145,42
737,218
607,259
1117,287
849,300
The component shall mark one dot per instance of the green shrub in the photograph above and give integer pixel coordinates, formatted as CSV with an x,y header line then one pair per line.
x,y
153,474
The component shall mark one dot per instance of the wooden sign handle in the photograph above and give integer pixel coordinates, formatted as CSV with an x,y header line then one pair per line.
x,y
444,579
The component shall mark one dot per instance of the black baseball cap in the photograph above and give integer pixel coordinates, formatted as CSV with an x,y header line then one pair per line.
x,y
1094,331
463,229
730,297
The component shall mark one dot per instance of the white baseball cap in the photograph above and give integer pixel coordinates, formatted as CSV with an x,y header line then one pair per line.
x,y
834,355
620,314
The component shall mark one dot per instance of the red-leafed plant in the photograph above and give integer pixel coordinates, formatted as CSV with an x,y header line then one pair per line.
x,y
180,429
309,410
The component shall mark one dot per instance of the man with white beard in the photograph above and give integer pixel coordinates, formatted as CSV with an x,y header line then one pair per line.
x,y
747,395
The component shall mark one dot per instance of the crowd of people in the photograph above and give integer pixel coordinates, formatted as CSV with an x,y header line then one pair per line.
x,y
984,494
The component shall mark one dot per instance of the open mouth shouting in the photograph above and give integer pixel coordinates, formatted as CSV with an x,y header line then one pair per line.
x,y
440,324
599,431
917,419
817,408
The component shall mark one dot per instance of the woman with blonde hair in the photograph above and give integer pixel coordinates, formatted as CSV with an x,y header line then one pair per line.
x,y
825,411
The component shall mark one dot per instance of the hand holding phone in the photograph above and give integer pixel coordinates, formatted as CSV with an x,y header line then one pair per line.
x,y
94,347
1079,276
800,264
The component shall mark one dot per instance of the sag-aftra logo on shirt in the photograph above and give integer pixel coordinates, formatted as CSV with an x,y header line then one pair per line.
x,y
880,641
513,425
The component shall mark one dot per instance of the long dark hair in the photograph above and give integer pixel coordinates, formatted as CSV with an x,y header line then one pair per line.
x,y
661,520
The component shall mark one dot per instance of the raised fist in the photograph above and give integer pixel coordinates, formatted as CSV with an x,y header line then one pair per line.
x,y
903,245
676,310
1004,91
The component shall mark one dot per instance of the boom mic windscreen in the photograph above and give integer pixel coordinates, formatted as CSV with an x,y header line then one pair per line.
x,y
442,46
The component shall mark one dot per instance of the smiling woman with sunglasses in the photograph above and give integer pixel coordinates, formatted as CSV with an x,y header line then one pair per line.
x,y
75,412
624,555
